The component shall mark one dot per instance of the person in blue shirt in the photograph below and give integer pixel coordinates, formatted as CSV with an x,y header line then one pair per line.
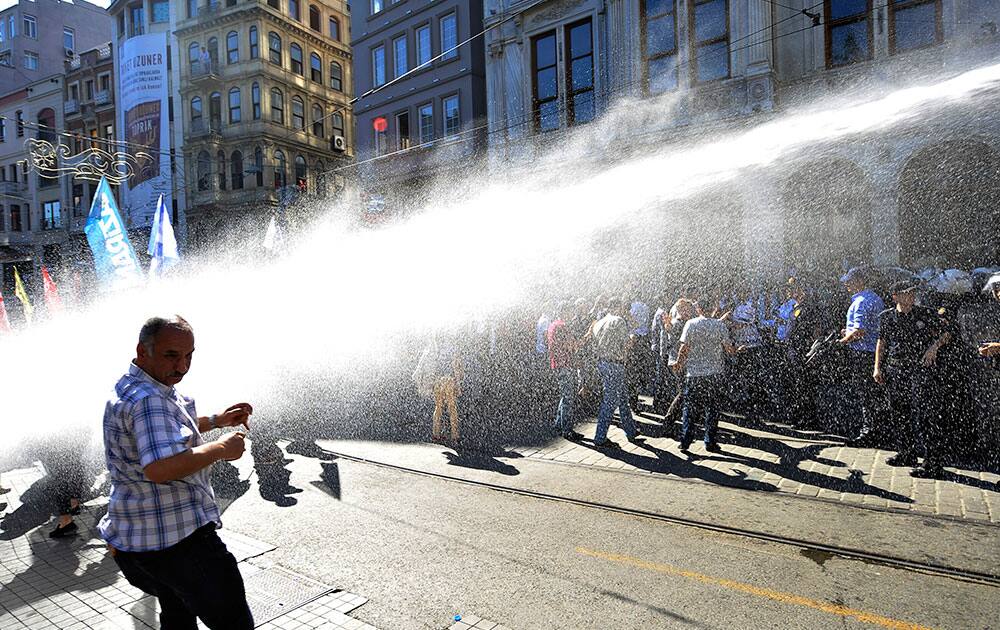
x,y
860,335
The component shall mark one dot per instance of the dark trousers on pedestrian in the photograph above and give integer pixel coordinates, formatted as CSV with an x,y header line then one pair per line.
x,y
195,579
913,402
862,367
701,402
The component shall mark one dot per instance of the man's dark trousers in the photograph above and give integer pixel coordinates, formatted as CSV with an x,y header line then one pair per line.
x,y
862,365
195,579
913,401
701,402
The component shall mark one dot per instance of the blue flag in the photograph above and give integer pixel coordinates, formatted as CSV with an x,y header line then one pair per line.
x,y
115,261
162,244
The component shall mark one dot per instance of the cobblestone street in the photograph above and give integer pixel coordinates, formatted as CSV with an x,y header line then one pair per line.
x,y
783,459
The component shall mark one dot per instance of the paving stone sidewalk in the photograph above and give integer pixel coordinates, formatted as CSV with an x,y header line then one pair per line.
x,y
779,458
74,584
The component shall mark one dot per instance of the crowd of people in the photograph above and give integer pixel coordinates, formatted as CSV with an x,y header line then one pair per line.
x,y
895,364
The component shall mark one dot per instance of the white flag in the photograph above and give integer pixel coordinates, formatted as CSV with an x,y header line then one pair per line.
x,y
162,244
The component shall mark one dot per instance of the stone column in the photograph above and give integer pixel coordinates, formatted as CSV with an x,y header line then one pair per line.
x,y
619,56
883,169
763,229
759,36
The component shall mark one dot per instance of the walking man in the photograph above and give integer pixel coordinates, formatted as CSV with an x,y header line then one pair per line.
x,y
909,339
162,515
700,358
611,337
562,345
860,334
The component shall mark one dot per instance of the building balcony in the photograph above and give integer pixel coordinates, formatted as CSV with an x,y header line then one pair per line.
x,y
13,189
209,10
204,71
71,106
205,129
102,98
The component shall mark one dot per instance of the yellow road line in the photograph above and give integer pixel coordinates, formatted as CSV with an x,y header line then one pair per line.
x,y
778,596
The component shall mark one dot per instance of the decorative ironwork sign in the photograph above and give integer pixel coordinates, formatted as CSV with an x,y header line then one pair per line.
x,y
53,160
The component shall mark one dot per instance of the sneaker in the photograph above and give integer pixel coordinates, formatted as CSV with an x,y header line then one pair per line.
x,y
606,444
713,447
572,436
635,439
685,447
902,459
62,531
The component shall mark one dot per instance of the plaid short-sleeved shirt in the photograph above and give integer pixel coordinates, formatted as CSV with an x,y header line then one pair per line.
x,y
146,421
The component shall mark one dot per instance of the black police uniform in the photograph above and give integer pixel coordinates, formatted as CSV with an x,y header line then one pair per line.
x,y
799,385
914,401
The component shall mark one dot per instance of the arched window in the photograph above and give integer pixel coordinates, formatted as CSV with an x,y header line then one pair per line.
x,y
280,169
300,172
258,165
298,113
255,100
296,56
318,175
277,106
196,112
194,54
236,170
317,121
204,171
338,124
213,50
274,47
232,47
235,105
254,43
336,76
335,29
315,68
221,157
314,18
215,110
294,9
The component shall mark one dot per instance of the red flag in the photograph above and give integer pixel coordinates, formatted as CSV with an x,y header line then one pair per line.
x,y
52,300
4,322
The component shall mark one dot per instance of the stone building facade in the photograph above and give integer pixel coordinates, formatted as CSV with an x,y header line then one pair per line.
x,y
37,36
34,225
422,95
910,195
265,100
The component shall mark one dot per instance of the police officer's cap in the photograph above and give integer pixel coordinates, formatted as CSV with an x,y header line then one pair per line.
x,y
904,286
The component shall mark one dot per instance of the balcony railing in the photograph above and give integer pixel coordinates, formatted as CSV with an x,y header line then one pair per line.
x,y
10,188
204,127
102,97
209,9
201,70
71,106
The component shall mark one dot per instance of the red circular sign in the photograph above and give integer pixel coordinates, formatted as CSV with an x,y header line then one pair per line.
x,y
380,124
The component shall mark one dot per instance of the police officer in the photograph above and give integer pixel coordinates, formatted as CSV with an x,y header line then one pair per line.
x,y
861,334
802,328
910,337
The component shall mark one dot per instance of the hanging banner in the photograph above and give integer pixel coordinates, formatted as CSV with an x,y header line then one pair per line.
x,y
114,259
143,116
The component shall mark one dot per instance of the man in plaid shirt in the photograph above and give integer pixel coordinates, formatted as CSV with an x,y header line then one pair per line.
x,y
162,516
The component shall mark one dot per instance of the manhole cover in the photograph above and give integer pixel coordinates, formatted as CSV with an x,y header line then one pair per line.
x,y
271,593
276,591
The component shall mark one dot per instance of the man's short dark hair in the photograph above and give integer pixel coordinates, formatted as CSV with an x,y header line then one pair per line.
x,y
153,326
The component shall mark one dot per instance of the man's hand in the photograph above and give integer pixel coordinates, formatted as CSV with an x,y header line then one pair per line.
x,y
990,349
233,445
879,376
236,415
